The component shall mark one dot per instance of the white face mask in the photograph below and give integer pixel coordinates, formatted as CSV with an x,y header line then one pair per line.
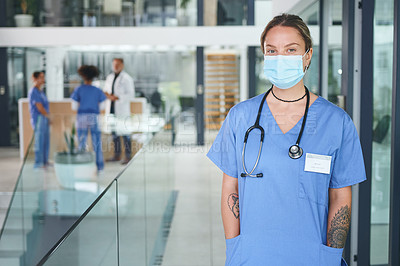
x,y
284,71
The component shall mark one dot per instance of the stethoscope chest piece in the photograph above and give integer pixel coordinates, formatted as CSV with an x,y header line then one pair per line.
x,y
295,151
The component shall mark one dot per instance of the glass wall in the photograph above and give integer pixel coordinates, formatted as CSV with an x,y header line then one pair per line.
x,y
262,12
382,95
164,76
124,13
91,13
334,50
22,62
311,17
17,89
231,12
148,66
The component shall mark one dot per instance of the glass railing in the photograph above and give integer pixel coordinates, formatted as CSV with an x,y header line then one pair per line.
x,y
88,219
12,242
40,198
92,239
128,224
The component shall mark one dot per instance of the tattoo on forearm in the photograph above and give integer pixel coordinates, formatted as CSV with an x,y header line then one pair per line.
x,y
233,204
340,224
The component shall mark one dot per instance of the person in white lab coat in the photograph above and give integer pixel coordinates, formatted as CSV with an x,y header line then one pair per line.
x,y
120,90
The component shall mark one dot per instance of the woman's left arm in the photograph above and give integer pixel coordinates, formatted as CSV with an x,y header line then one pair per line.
x,y
338,216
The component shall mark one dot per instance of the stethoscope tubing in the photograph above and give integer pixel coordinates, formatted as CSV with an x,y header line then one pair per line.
x,y
255,165
256,125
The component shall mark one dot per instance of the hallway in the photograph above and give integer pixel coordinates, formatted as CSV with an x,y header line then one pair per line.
x,y
196,236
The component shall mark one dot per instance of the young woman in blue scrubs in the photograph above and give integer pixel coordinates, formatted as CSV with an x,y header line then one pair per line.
x,y
288,202
87,100
40,120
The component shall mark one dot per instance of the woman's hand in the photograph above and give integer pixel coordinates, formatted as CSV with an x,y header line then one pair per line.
x,y
43,111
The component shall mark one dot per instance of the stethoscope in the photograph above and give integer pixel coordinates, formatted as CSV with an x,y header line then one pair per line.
x,y
295,151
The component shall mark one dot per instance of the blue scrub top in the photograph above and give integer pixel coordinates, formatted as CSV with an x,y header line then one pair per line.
x,y
283,215
89,98
36,96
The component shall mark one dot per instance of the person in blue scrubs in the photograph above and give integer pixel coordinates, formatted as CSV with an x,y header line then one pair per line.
x,y
293,208
88,101
40,120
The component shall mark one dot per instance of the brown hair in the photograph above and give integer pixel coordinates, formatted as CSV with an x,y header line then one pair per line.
x,y
36,74
119,59
288,20
88,72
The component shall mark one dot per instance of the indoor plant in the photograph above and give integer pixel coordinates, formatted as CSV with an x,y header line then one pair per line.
x,y
183,17
73,165
26,18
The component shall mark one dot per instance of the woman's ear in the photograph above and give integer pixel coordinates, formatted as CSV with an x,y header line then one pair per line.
x,y
309,56
307,59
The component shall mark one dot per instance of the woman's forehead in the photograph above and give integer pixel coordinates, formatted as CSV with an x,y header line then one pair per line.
x,y
283,36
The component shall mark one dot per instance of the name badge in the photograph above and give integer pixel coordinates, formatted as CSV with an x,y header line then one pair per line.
x,y
318,163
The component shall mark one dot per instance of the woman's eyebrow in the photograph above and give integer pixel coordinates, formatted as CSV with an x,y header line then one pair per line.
x,y
293,43
290,44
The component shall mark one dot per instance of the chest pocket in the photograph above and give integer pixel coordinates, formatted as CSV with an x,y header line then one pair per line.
x,y
314,186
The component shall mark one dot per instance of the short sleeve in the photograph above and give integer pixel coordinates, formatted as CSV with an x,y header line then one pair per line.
x,y
223,152
75,95
349,168
35,97
102,96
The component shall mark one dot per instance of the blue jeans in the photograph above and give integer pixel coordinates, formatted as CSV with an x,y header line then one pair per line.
x,y
85,122
42,141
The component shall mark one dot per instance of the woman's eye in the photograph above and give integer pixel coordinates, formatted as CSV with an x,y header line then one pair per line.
x,y
270,52
291,50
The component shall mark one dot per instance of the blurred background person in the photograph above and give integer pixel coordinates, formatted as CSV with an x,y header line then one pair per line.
x,y
87,100
120,90
40,120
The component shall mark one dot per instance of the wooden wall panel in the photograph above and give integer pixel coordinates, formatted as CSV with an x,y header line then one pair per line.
x,y
221,87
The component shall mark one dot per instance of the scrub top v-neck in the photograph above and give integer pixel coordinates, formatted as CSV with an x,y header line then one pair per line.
x,y
283,215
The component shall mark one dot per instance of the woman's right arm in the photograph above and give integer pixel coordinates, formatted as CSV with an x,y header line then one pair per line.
x,y
41,109
230,206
